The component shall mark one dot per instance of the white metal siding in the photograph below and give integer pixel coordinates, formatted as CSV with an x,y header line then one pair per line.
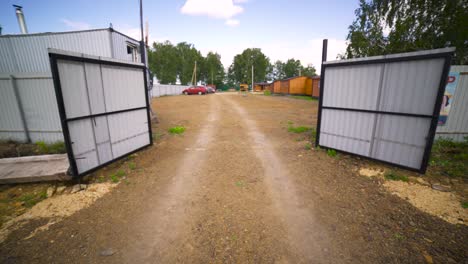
x,y
119,47
456,127
31,55
11,126
167,89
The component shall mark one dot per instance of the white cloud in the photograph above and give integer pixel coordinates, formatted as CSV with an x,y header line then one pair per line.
x,y
232,22
76,25
219,9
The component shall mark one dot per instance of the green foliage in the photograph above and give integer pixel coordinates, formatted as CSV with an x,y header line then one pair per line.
x,y
394,176
464,205
303,97
411,25
450,158
313,134
239,183
331,153
54,148
240,70
31,199
177,130
267,92
299,129
115,177
132,165
292,68
171,62
308,146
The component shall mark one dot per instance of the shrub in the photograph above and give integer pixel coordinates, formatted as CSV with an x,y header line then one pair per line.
x,y
267,92
332,153
177,130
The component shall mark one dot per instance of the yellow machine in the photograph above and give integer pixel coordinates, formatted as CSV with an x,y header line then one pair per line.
x,y
244,87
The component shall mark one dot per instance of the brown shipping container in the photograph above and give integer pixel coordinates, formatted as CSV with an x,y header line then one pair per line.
x,y
277,87
316,87
284,87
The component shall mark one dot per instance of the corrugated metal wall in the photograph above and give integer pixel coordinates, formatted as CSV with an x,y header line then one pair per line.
x,y
456,127
29,52
119,47
26,58
37,97
408,87
167,89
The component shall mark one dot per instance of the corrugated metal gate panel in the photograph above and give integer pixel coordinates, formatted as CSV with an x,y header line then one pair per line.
x,y
384,107
353,87
103,107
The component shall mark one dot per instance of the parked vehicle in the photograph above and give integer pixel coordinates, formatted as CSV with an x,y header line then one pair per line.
x,y
210,89
195,90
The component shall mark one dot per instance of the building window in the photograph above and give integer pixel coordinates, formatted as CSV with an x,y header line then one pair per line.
x,y
133,51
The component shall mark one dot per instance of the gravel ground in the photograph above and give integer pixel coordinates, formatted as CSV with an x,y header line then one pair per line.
x,y
237,187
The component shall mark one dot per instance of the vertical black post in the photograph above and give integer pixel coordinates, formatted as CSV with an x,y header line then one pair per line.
x,y
322,85
142,42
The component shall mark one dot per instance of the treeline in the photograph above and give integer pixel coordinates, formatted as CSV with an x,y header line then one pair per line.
x,y
173,63
394,26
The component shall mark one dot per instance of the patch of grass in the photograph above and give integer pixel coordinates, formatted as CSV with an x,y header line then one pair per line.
x,y
450,158
290,122
239,183
31,199
303,97
308,146
132,165
331,153
399,236
299,129
53,148
464,205
115,178
313,134
393,176
177,130
267,92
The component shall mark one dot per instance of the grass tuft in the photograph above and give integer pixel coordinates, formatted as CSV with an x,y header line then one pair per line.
x,y
331,153
53,148
303,97
464,205
450,158
132,165
267,92
308,146
393,176
299,129
177,130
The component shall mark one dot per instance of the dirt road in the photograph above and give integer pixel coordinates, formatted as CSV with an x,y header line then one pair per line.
x,y
237,187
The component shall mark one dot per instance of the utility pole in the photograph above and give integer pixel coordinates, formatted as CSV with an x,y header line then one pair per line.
x,y
252,78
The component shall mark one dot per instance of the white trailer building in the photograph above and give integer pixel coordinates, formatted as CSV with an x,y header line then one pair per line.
x,y
28,108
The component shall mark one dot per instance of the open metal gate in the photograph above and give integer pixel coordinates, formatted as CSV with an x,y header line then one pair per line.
x,y
103,106
384,107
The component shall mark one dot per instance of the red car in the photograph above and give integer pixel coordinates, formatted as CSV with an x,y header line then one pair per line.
x,y
195,90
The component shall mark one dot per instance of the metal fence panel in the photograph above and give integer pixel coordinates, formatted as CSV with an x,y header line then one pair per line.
x,y
167,89
384,107
109,116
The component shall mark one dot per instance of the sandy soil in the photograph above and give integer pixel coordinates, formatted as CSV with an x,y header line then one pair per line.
x,y
237,187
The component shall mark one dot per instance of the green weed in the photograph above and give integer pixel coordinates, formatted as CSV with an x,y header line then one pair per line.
x,y
399,236
393,176
308,146
299,129
464,205
53,148
450,158
177,130
267,92
239,183
30,199
132,165
303,97
331,153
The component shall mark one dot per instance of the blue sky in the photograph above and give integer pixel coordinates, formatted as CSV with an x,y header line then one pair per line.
x,y
282,29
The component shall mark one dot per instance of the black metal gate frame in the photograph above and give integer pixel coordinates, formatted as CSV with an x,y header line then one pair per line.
x,y
53,57
447,56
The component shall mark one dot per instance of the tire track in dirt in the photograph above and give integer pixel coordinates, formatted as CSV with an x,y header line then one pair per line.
x,y
306,237
156,233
